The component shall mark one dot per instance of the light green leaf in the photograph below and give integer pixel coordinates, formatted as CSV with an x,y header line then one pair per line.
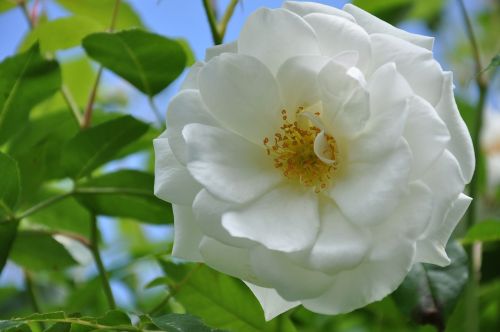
x,y
131,197
430,292
181,323
93,147
39,251
190,58
61,33
221,301
10,185
25,80
102,10
7,5
485,231
148,61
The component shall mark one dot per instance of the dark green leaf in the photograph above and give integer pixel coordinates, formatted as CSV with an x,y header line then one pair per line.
x,y
181,323
148,61
391,11
39,251
130,195
8,231
485,231
429,293
93,147
59,327
10,185
114,317
102,10
221,301
25,80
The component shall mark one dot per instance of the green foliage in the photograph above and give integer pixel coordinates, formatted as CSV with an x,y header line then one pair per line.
x,y
25,80
6,5
126,193
485,231
181,323
91,148
429,293
10,185
8,231
139,57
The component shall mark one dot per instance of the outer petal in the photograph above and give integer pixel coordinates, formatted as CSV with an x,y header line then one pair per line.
x,y
292,282
336,34
372,280
284,219
274,35
341,245
216,50
208,211
461,143
272,303
191,80
416,64
304,8
173,183
185,108
242,94
187,235
426,134
228,259
227,165
373,24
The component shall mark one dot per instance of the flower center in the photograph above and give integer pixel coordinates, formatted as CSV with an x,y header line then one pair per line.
x,y
294,154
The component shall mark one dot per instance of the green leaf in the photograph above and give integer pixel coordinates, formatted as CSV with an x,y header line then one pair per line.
x,y
221,301
485,231
39,251
25,80
430,293
495,62
10,185
102,10
93,147
131,196
181,323
6,5
8,231
148,61
61,33
190,58
113,318
391,11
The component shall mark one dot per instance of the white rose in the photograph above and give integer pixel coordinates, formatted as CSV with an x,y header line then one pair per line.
x,y
316,158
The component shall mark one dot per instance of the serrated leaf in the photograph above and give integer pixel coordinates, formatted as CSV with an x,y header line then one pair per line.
x,y
148,61
485,231
221,301
430,293
132,198
93,147
39,251
10,185
181,323
25,80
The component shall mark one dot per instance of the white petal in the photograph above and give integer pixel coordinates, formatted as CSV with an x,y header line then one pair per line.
x,y
371,281
227,259
426,135
274,35
227,165
416,64
336,34
284,219
341,245
191,80
208,211
185,108
173,183
292,282
216,50
272,303
432,249
298,81
322,149
303,8
187,235
242,94
368,192
373,24
460,144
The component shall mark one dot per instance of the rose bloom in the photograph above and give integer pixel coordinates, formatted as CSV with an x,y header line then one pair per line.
x,y
317,158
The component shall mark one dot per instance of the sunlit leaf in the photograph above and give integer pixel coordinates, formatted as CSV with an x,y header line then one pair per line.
x,y
181,323
485,231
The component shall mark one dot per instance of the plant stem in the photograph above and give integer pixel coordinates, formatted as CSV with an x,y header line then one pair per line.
x,y
156,111
212,21
43,204
225,19
94,246
26,14
87,116
30,289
